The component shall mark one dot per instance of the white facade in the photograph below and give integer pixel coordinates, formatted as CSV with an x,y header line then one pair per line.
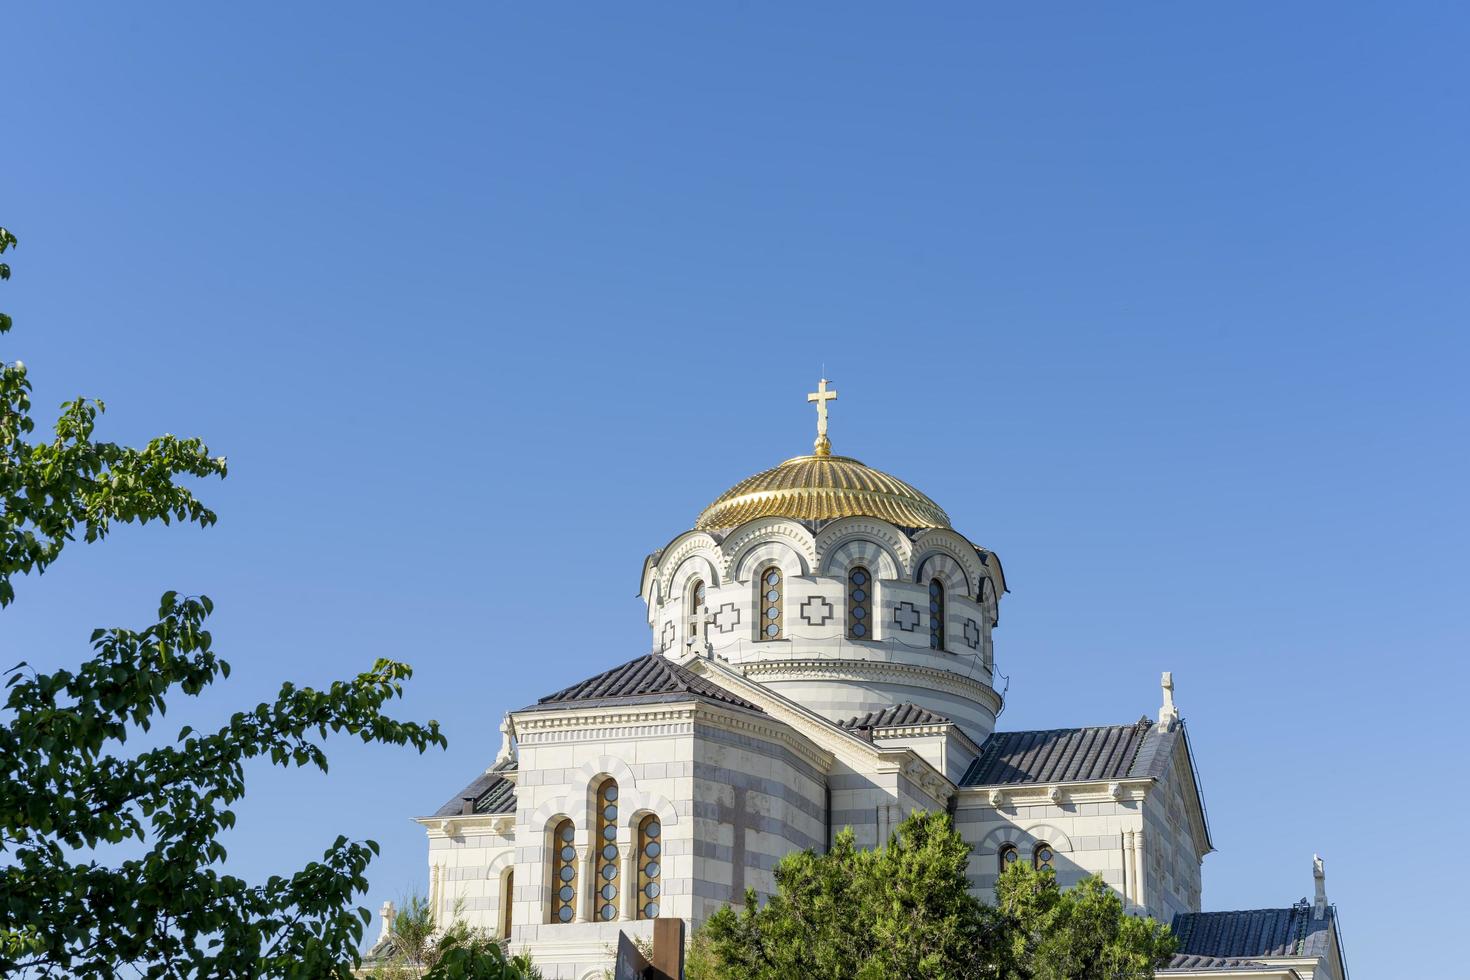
x,y
739,739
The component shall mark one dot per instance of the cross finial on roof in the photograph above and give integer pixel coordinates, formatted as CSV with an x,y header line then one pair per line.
x,y
506,752
822,396
387,913
1168,714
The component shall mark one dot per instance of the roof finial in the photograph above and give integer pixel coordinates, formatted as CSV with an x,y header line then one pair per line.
x,y
1168,714
507,736
822,396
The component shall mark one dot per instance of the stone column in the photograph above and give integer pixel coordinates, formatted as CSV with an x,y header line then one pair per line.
x,y
628,893
586,907
1140,892
1130,874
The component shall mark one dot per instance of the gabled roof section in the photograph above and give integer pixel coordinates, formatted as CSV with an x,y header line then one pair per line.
x,y
904,715
1062,755
1256,933
490,791
1185,961
649,679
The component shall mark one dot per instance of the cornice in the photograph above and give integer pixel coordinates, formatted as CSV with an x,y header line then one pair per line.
x,y
860,670
470,825
586,725
1055,794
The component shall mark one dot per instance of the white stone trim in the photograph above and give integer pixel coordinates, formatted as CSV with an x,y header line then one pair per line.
x,y
837,542
858,671
1031,834
685,545
939,540
793,539
941,565
1038,794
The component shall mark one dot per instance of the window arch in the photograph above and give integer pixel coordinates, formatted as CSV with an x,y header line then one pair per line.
x,y
650,867
1008,856
563,871
936,614
1043,856
772,604
696,601
859,603
507,896
607,880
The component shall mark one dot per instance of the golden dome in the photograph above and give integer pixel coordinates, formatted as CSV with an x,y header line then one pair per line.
x,y
822,488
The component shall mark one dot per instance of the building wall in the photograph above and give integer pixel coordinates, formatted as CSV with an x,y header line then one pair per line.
x,y
1171,841
755,801
1087,838
563,759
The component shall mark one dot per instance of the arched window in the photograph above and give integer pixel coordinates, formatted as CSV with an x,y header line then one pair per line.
x,y
859,603
507,896
1043,856
696,602
606,881
563,872
1008,856
936,614
772,604
650,866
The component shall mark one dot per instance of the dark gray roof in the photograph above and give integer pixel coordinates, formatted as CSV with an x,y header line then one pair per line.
x,y
650,678
1185,961
1255,933
898,716
1069,754
491,792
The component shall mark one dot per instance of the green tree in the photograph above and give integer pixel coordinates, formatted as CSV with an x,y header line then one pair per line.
x,y
420,947
70,786
1077,934
904,911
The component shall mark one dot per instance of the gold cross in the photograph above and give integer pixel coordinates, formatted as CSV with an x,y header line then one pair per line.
x,y
822,396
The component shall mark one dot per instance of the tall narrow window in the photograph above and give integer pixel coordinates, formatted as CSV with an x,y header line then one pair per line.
x,y
1043,856
859,604
1008,856
936,615
771,604
696,602
650,866
507,896
607,854
563,872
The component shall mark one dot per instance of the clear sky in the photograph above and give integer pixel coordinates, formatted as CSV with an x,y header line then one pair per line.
x,y
1164,303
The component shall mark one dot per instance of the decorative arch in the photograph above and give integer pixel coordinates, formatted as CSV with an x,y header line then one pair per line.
x,y
764,554
941,565
685,546
943,541
700,566
741,547
561,806
867,540
1025,839
634,800
499,863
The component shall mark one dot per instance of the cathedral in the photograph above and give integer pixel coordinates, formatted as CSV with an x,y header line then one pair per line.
x,y
822,657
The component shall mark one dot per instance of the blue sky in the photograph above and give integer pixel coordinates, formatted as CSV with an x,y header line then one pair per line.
x,y
1164,303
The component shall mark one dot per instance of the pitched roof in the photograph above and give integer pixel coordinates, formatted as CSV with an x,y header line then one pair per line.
x,y
648,679
491,792
1185,961
898,716
1254,933
1066,755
